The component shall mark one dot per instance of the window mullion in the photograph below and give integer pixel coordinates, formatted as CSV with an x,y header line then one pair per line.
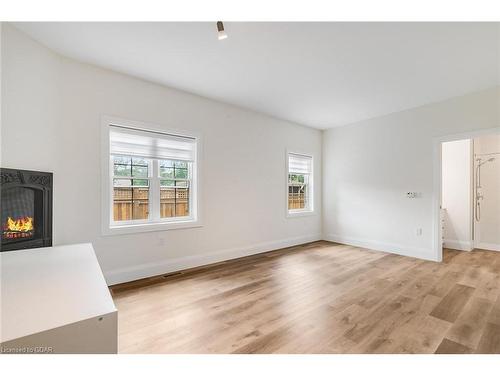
x,y
155,192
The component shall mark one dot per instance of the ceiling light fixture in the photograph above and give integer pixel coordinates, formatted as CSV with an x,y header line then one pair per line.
x,y
221,34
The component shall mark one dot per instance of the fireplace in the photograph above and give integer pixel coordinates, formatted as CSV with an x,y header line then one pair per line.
x,y
26,209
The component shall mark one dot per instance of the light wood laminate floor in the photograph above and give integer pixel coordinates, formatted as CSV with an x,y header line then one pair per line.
x,y
318,298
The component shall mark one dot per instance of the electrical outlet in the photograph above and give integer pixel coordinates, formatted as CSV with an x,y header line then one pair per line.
x,y
419,231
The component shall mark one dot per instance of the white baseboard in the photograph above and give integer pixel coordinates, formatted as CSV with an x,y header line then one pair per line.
x,y
177,264
488,246
458,245
414,252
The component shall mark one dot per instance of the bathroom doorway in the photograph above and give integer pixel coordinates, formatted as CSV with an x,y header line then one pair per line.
x,y
470,193
486,192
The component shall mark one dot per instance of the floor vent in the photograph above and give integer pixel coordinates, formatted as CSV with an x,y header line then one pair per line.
x,y
171,275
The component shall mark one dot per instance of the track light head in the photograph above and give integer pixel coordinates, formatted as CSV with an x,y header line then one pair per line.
x,y
221,34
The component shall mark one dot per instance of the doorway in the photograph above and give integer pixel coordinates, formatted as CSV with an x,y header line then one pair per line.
x,y
486,192
468,192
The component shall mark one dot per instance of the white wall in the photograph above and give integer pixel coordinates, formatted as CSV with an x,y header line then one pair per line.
x,y
51,121
31,102
488,228
369,165
1,26
456,194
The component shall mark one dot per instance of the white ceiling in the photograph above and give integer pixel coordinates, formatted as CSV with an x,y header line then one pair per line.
x,y
315,74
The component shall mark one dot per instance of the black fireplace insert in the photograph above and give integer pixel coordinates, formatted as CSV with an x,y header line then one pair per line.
x,y
26,209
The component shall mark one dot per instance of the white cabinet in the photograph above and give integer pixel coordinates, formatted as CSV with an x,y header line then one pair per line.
x,y
55,299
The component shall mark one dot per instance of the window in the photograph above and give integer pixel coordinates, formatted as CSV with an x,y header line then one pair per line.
x,y
299,183
130,188
175,179
152,179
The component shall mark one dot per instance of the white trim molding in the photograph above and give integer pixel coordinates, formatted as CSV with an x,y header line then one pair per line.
x,y
458,245
409,251
488,246
140,271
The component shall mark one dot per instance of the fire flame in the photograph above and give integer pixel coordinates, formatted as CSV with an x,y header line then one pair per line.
x,y
24,224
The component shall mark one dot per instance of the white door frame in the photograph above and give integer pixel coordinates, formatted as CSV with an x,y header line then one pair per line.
x,y
436,204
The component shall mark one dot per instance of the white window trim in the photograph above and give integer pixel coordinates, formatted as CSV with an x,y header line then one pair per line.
x,y
310,211
193,221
